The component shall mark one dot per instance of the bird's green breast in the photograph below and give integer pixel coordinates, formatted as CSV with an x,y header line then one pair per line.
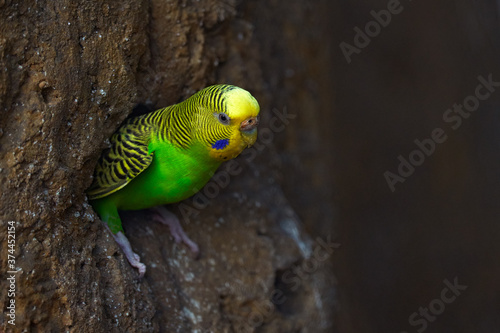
x,y
174,175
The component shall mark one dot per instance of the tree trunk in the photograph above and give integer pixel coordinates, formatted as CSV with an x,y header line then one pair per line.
x,y
71,72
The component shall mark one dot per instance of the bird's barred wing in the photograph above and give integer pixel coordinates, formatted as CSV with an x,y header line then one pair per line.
x,y
127,157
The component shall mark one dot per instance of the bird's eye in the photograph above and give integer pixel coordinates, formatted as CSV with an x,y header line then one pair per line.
x,y
223,118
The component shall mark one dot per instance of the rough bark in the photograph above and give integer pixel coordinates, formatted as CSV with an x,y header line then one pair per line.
x,y
71,73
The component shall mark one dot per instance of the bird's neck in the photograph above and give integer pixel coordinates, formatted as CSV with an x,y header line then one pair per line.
x,y
175,125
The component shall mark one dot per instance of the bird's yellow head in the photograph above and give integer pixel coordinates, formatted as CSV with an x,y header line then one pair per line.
x,y
227,120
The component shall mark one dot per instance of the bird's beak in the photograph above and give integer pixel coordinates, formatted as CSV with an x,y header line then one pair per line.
x,y
248,125
248,130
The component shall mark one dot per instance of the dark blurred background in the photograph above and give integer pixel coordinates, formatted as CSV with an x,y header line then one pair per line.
x,y
442,222
402,249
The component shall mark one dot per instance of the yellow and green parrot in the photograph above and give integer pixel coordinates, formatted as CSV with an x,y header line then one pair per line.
x,y
167,155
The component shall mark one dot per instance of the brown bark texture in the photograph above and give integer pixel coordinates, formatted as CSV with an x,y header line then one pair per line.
x,y
70,73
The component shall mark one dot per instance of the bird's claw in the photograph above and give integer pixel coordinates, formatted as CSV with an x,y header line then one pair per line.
x,y
132,257
163,216
140,267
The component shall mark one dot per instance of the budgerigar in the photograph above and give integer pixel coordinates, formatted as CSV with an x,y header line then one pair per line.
x,y
166,156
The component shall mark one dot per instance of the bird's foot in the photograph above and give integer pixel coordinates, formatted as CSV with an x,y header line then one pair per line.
x,y
133,258
165,217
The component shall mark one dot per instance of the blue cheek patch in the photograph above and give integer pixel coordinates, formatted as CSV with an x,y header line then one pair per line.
x,y
220,144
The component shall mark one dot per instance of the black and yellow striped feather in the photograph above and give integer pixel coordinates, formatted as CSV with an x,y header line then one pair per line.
x,y
178,124
127,157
